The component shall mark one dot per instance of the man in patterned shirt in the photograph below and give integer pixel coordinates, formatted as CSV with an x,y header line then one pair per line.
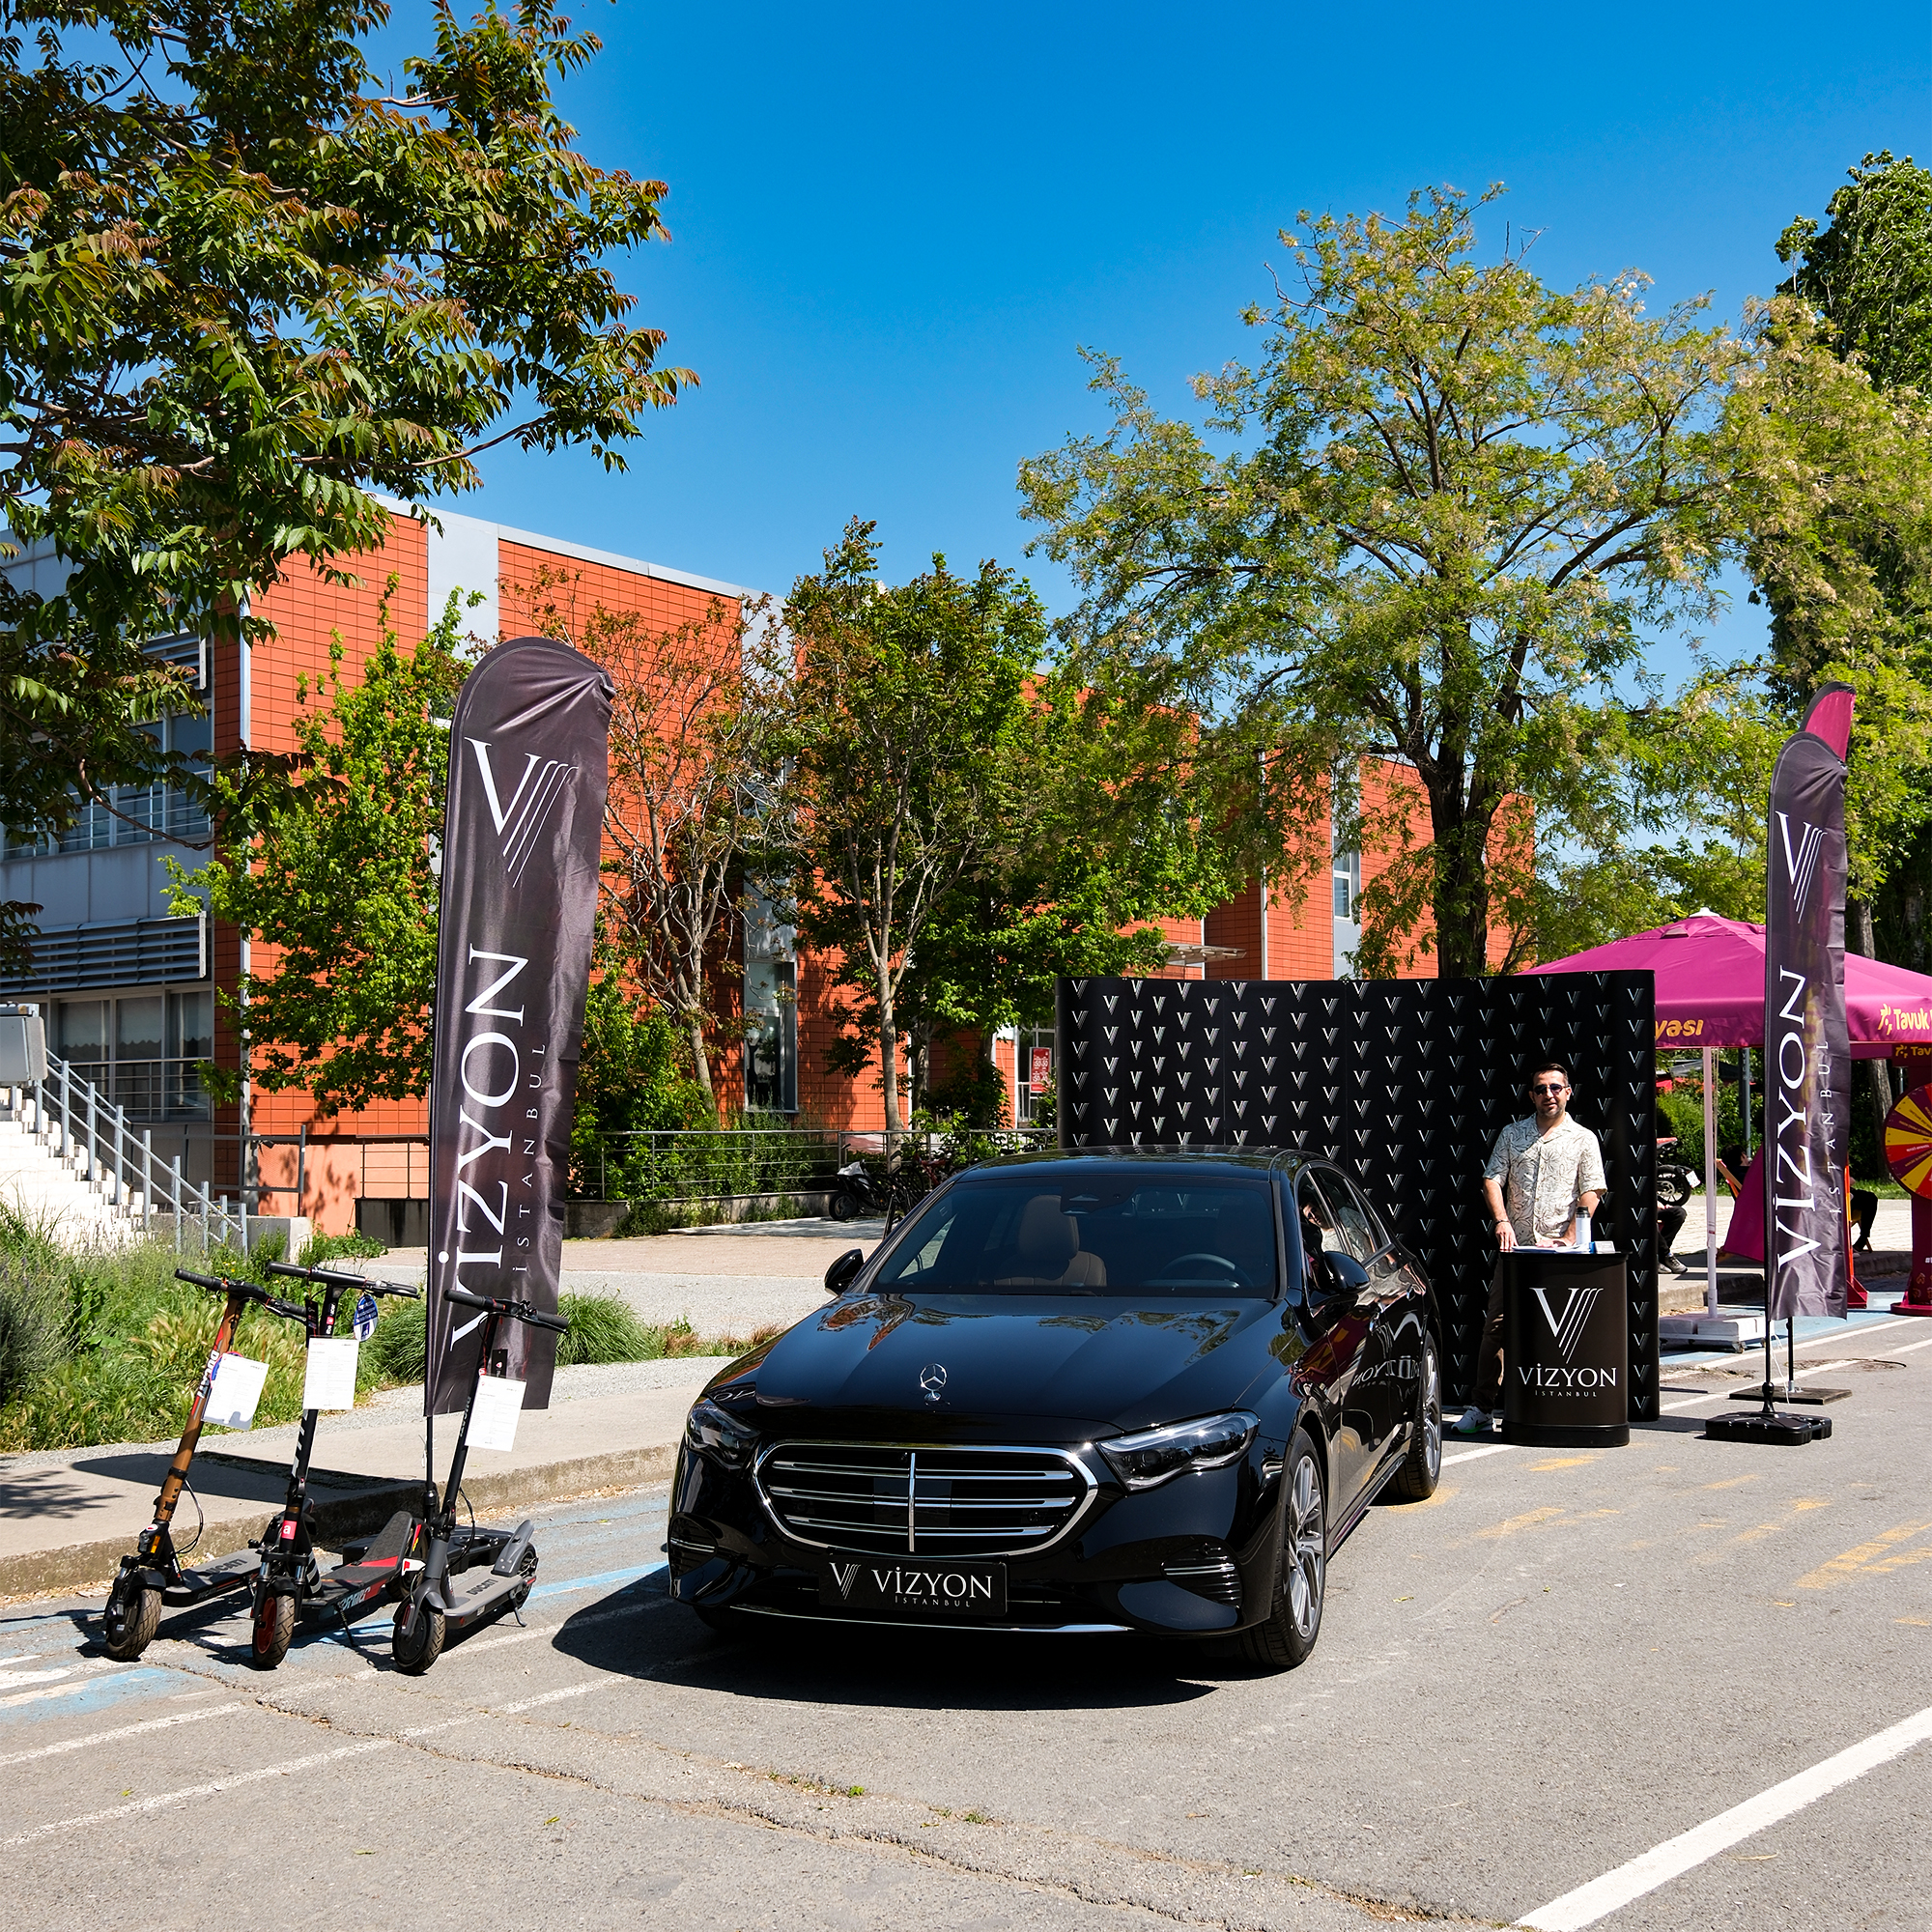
x,y
1553,1170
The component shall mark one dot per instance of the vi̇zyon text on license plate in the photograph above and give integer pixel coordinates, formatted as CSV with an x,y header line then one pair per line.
x,y
939,1587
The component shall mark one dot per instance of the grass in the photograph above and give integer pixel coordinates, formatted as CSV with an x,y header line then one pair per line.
x,y
105,1346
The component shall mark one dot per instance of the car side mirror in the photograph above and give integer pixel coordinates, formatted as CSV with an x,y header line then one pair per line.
x,y
843,1269
1341,1276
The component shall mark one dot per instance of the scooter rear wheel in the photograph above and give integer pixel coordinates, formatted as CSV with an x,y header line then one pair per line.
x,y
274,1624
414,1654
527,1572
133,1615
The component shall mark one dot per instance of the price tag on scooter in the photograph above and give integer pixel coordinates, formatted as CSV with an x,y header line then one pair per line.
x,y
366,1317
236,1390
330,1381
492,1418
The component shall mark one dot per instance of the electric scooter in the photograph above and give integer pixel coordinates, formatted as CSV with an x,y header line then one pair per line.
x,y
436,1604
153,1578
289,1583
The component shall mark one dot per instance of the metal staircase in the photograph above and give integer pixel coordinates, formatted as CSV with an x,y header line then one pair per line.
x,y
71,1162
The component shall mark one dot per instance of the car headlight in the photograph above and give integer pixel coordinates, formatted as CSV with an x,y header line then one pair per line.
x,y
713,1432
1149,1458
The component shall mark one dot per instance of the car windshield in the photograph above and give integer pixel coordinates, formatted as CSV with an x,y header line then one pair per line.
x,y
1105,1234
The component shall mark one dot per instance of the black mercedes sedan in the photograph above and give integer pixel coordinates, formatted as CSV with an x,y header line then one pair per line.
x,y
1110,1390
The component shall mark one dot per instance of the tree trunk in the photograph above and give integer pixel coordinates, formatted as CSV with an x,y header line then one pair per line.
x,y
889,1059
1460,903
1877,1086
700,1062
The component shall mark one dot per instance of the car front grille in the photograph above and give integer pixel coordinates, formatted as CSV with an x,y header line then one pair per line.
x,y
931,1501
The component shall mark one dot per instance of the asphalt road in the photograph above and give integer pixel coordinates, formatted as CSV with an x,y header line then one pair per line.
x,y
1563,1661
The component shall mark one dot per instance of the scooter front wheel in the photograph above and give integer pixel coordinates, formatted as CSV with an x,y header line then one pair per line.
x,y
133,1615
413,1654
274,1624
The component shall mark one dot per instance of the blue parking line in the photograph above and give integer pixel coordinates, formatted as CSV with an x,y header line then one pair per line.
x,y
96,1694
572,1585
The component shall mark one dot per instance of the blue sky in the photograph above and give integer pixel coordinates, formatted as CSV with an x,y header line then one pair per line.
x,y
894,226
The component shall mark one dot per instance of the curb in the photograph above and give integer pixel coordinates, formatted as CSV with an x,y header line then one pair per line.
x,y
362,1507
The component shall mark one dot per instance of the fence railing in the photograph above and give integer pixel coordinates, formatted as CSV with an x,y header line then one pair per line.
x,y
90,1136
701,1163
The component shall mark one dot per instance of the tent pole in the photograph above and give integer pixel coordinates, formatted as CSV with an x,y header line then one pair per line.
x,y
1710,1183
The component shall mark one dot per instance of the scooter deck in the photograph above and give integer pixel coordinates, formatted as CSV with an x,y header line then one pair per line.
x,y
361,1585
196,1586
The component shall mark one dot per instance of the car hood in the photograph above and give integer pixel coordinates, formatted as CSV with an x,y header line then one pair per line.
x,y
1101,1361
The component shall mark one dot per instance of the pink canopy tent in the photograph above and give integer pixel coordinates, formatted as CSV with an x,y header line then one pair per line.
x,y
1709,994
1710,988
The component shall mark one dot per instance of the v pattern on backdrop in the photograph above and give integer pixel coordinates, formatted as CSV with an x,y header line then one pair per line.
x,y
1405,1081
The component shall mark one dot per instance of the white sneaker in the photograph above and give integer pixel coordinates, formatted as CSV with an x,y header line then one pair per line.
x,y
1473,1421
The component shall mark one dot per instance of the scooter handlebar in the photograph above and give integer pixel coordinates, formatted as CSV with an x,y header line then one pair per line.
x,y
517,1311
335,1278
248,1291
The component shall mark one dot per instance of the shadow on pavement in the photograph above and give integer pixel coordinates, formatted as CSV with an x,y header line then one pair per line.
x,y
872,1668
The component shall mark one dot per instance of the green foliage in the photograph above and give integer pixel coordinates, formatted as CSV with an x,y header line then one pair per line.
x,y
908,706
1431,525
633,1079
341,880
35,1306
1869,272
319,1250
246,285
603,1328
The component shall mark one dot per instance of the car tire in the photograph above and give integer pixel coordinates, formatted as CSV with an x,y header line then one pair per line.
x,y
1415,1480
1286,1636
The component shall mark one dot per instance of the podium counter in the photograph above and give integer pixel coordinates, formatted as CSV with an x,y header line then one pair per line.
x,y
1566,1349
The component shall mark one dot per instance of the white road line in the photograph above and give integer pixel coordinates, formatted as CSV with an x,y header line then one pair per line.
x,y
1470,1455
126,1731
1910,1345
91,1669
547,1698
212,1788
1604,1895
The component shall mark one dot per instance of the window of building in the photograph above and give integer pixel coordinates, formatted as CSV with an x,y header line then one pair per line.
x,y
142,1051
1348,871
771,1035
1038,1041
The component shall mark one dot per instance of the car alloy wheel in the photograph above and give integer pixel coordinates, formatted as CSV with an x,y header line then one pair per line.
x,y
1288,1634
1415,1480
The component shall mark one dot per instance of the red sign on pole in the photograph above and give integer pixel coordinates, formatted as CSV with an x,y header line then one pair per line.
x,y
1041,1076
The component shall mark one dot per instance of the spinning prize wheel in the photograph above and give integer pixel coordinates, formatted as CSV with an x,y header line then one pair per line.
x,y
1908,1142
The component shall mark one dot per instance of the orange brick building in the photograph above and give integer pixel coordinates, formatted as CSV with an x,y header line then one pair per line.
x,y
132,991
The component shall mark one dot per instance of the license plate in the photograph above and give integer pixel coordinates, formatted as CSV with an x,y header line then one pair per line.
x,y
952,1590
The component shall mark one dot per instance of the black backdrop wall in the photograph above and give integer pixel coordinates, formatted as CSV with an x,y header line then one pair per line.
x,y
1407,1081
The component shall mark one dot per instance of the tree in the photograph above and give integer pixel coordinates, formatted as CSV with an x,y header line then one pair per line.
x,y
1850,577
908,705
1098,844
243,287
340,880
1448,504
696,791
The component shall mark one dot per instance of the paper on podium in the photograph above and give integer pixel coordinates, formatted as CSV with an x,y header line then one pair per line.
x,y
492,1418
330,1381
236,1392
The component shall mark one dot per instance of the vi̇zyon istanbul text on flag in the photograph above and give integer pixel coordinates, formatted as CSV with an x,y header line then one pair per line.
x,y
529,768
1807,1049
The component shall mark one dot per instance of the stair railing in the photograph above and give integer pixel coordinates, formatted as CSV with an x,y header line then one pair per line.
x,y
89,1136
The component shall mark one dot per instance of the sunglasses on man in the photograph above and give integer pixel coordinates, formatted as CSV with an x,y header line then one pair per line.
x,y
1549,1087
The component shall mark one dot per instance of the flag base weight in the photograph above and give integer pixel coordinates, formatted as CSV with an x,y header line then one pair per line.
x,y
1911,1307
1812,1397
1776,1428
